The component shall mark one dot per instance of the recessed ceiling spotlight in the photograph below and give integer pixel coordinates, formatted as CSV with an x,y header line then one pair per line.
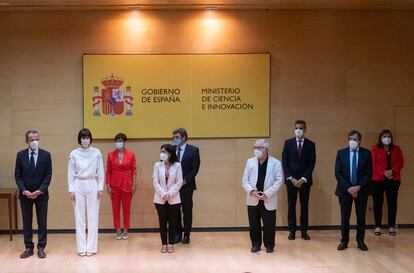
x,y
211,8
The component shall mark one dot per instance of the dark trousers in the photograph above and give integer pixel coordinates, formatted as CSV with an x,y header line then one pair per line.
x,y
26,206
256,215
168,217
186,223
390,187
345,203
292,193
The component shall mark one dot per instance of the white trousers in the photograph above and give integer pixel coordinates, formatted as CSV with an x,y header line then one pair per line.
x,y
86,204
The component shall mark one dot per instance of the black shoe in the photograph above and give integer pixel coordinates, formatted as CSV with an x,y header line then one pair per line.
x,y
362,246
186,240
255,249
41,253
342,246
27,253
269,249
291,236
305,236
178,238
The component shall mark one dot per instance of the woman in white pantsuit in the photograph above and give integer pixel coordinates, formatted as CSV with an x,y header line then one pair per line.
x,y
86,181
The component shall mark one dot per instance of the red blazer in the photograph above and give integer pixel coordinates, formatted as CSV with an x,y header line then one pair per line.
x,y
120,175
379,163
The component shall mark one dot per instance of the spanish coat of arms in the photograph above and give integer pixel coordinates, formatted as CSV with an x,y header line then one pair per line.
x,y
113,97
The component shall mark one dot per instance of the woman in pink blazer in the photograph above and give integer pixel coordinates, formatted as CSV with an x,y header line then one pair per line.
x,y
167,181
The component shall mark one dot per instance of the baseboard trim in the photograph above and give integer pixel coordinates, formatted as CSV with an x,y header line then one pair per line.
x,y
205,229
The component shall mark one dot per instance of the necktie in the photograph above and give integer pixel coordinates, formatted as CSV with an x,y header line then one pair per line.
x,y
179,155
354,168
300,148
32,162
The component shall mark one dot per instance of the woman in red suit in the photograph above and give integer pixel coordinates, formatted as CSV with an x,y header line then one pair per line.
x,y
387,162
121,173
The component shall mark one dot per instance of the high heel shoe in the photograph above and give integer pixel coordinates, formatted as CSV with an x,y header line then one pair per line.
x,y
377,231
164,249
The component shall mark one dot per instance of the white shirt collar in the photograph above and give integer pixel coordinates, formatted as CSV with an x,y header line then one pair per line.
x,y
36,152
183,147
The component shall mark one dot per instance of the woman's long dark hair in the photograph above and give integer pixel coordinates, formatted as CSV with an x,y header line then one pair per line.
x,y
385,132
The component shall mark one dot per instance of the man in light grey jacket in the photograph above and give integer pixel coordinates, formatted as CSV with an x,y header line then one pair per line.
x,y
262,179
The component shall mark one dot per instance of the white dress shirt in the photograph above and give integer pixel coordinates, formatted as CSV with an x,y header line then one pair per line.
x,y
182,151
35,155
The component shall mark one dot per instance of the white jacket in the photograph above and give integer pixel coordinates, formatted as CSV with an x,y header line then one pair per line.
x,y
272,183
171,187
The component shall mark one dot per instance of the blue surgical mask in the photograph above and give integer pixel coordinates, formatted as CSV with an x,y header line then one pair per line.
x,y
176,141
119,145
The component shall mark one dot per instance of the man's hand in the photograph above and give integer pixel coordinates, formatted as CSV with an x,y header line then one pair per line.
x,y
294,181
255,194
299,183
184,183
263,196
35,194
354,190
28,194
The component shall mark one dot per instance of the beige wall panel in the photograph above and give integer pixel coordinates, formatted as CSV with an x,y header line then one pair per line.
x,y
338,70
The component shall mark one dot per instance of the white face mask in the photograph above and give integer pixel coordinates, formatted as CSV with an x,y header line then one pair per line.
x,y
163,157
353,144
258,153
119,145
34,144
85,142
386,140
299,133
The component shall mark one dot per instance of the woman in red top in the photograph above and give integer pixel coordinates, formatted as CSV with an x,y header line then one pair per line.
x,y
121,173
387,162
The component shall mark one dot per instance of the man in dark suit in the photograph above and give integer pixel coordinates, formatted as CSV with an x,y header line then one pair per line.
x,y
33,173
298,160
353,168
189,157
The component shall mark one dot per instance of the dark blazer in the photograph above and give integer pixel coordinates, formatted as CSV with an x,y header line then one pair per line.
x,y
26,179
190,164
296,167
342,171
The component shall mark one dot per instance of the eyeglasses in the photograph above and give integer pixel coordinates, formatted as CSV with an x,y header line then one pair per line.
x,y
258,148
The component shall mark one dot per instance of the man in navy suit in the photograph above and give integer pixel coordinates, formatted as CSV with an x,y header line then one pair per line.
x,y
33,173
298,160
353,168
189,157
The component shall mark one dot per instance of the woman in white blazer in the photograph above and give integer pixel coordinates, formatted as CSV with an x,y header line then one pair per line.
x,y
167,181
262,179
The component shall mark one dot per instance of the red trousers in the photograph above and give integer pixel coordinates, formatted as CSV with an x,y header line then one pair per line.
x,y
125,198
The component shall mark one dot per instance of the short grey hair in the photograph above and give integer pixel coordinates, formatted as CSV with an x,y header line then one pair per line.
x,y
31,132
264,143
